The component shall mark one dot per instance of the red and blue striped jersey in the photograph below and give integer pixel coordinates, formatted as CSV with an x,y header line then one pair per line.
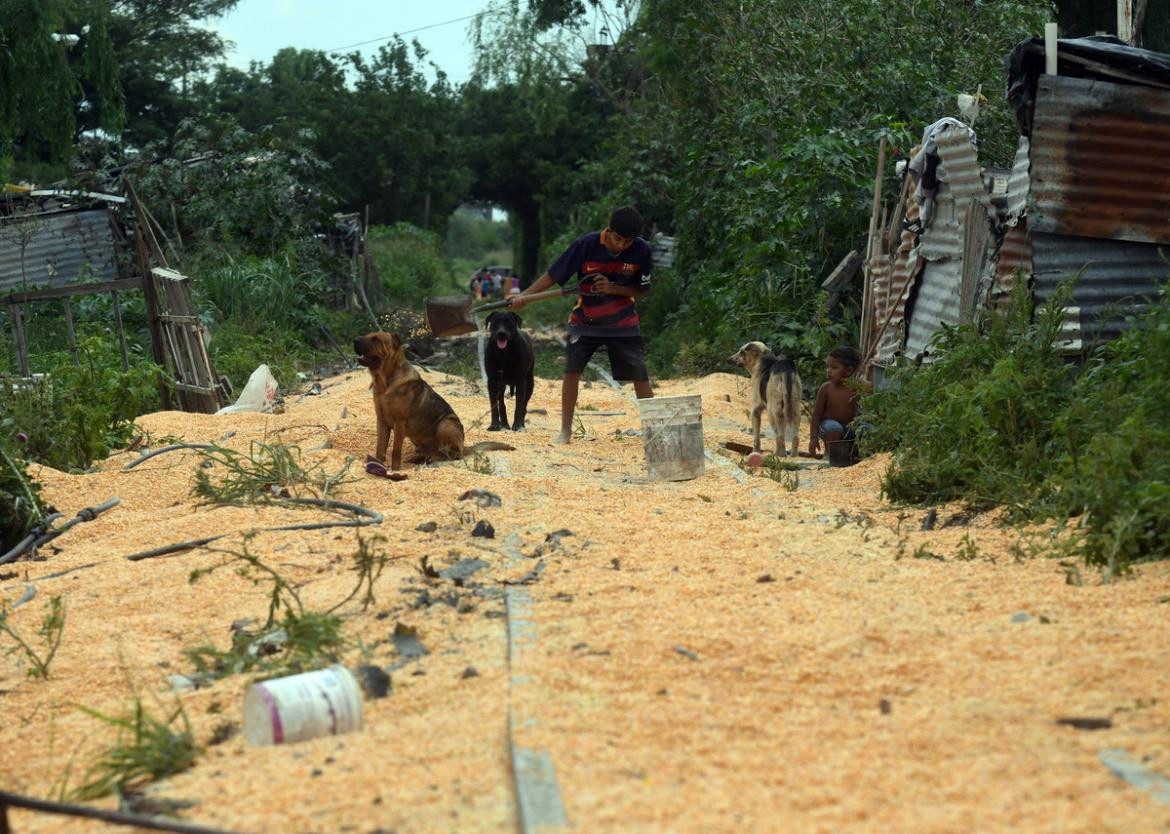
x,y
604,315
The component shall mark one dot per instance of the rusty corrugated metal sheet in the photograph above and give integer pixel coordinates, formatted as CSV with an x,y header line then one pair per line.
x,y
1099,166
63,248
1118,277
1014,253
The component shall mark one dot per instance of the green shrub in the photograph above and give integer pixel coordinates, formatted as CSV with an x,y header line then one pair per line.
x,y
1000,418
409,262
20,501
76,415
470,236
238,347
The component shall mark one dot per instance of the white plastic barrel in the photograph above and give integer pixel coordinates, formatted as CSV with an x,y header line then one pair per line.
x,y
298,707
672,437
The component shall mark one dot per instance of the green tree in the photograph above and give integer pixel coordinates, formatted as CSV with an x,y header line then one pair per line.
x,y
770,150
41,87
534,122
161,52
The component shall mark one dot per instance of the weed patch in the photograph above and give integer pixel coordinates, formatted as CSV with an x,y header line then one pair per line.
x,y
267,472
147,749
50,632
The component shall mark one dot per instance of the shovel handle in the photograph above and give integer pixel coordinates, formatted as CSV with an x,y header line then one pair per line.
x,y
536,296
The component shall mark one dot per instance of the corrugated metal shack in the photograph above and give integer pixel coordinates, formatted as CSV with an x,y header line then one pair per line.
x,y
56,245
1088,196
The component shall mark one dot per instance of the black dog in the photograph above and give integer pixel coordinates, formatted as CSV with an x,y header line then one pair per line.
x,y
508,362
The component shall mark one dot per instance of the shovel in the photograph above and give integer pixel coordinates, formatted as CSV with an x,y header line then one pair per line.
x,y
451,315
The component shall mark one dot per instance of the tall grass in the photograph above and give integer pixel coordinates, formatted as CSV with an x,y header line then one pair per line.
x,y
278,290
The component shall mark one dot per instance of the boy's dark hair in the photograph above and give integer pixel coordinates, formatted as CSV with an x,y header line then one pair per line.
x,y
847,356
626,221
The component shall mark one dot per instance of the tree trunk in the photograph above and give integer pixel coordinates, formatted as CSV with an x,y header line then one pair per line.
x,y
527,246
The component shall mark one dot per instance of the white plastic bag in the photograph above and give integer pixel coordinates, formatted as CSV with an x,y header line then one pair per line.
x,y
258,395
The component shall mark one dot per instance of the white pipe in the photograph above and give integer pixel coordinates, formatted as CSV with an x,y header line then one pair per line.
x,y
1050,32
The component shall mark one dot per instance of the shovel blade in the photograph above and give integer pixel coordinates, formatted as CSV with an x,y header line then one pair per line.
x,y
450,315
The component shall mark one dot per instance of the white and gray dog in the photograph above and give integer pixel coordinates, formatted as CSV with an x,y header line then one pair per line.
x,y
776,389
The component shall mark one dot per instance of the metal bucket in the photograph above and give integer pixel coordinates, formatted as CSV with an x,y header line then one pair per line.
x,y
672,437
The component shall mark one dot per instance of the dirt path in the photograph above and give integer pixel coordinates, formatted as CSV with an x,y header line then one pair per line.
x,y
721,654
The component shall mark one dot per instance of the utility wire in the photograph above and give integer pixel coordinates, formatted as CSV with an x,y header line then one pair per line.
x,y
411,31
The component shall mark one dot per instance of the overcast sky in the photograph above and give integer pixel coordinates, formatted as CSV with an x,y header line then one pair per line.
x,y
260,28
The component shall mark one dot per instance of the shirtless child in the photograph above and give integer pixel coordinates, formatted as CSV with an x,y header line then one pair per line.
x,y
836,405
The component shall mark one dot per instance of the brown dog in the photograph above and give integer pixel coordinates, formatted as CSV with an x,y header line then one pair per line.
x,y
406,405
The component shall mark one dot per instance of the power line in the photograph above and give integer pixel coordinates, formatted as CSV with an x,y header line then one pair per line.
x,y
411,31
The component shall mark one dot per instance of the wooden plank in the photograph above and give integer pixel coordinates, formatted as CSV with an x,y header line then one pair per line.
x,y
157,348
176,319
537,793
193,389
844,272
120,285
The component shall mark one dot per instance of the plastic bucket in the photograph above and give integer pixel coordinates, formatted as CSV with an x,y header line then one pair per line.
x,y
284,710
841,452
672,437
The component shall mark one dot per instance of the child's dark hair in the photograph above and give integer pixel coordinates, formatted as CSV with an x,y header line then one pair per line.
x,y
846,355
626,221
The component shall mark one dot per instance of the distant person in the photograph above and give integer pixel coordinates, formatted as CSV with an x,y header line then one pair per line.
x,y
836,406
513,283
476,284
612,269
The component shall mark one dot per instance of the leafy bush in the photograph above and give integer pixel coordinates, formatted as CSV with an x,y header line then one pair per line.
x,y
975,423
1114,469
20,502
471,236
1000,418
76,415
226,185
239,347
409,261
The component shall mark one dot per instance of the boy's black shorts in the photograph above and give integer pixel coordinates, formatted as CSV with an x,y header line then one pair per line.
x,y
627,355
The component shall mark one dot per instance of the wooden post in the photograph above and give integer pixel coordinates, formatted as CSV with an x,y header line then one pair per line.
x,y
867,293
1125,21
150,291
18,339
70,335
121,332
